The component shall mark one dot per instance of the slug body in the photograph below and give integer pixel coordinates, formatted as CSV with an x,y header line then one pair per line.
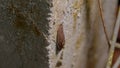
x,y
60,39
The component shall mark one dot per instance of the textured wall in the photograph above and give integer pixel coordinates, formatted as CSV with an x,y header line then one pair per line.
x,y
23,27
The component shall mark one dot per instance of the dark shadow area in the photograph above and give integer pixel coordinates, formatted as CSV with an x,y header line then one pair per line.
x,y
117,50
118,38
23,24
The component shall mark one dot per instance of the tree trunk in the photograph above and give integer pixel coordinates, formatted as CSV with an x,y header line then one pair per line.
x,y
86,45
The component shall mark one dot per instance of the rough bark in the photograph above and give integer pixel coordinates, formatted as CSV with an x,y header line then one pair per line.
x,y
85,41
